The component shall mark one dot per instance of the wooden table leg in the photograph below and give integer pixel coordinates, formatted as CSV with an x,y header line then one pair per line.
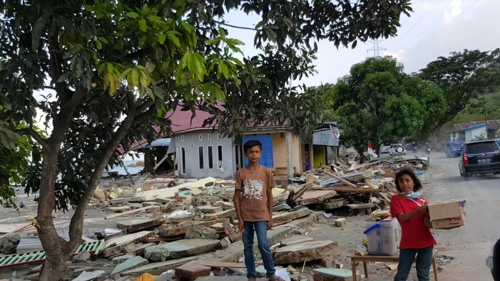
x,y
353,266
366,270
434,268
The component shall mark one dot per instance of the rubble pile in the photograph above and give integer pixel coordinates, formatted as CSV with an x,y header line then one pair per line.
x,y
359,187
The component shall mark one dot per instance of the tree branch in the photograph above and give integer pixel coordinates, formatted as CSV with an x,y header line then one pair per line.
x,y
76,225
32,133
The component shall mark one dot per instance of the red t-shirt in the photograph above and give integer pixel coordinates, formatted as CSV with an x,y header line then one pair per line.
x,y
414,233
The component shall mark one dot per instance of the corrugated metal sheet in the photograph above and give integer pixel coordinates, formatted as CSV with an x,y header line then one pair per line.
x,y
39,257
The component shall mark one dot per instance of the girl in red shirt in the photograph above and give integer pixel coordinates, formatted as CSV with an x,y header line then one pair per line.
x,y
412,213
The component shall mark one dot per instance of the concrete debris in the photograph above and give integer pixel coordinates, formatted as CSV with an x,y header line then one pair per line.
x,y
8,244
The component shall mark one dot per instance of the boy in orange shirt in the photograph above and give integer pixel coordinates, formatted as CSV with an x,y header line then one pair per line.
x,y
253,200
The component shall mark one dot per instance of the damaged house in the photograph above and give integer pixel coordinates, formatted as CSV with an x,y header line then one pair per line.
x,y
202,152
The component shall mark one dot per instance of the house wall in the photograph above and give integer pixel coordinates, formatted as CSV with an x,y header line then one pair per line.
x,y
192,141
279,151
319,152
473,133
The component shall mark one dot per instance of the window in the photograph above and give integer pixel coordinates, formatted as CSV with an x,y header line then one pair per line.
x,y
182,138
200,137
183,160
209,137
202,166
219,154
210,157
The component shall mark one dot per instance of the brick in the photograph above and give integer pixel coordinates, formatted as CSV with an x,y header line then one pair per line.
x,y
340,222
191,271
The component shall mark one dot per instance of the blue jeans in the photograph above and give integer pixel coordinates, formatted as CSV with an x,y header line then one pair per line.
x,y
406,258
265,251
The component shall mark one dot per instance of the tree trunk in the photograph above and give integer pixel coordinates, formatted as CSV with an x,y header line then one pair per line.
x,y
55,263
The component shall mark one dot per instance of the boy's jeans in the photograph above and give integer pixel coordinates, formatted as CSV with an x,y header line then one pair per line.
x,y
406,258
261,228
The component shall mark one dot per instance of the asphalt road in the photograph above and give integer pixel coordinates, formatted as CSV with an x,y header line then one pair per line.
x,y
470,244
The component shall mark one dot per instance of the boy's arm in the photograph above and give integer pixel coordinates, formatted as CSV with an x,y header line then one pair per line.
x,y
237,196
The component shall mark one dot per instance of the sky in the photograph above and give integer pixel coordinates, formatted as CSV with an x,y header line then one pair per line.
x,y
435,28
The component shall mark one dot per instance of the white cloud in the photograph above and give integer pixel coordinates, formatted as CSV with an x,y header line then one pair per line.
x,y
455,11
400,55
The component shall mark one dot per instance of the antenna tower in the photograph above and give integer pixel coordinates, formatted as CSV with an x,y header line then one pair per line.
x,y
376,48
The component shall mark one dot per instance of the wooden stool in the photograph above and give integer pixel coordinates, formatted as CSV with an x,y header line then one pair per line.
x,y
395,259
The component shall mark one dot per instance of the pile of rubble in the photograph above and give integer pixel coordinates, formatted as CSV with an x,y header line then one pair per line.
x,y
359,187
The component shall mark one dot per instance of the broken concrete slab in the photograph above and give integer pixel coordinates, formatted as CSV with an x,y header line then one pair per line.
x,y
119,209
315,196
228,278
200,231
333,274
90,275
179,249
118,201
169,231
132,226
131,263
209,209
296,253
295,240
120,259
160,267
290,216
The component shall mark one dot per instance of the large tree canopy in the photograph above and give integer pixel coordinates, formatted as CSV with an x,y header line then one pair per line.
x,y
463,76
375,104
113,68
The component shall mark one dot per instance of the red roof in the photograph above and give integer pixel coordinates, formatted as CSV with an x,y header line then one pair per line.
x,y
184,121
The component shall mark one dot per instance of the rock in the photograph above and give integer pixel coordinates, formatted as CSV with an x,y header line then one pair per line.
x,y
340,222
9,244
224,243
81,257
200,231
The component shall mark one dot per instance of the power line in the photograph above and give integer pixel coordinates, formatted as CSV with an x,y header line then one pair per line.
x,y
419,20
441,29
376,48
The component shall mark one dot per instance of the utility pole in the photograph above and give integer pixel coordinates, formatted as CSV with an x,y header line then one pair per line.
x,y
376,48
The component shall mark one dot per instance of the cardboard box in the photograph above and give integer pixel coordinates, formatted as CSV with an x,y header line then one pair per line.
x,y
445,215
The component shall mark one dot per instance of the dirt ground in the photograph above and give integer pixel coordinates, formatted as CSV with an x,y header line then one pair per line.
x,y
347,237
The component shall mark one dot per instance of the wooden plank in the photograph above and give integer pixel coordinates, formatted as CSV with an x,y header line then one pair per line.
x,y
360,206
129,238
341,179
341,189
129,212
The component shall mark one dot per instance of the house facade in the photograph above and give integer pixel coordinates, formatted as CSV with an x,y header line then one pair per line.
x,y
203,152
475,130
200,152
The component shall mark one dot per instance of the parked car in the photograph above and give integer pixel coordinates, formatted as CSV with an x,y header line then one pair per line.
x,y
493,261
392,149
479,157
453,148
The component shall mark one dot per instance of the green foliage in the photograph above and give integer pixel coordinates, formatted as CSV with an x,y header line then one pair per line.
x,y
374,104
112,70
431,98
463,76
